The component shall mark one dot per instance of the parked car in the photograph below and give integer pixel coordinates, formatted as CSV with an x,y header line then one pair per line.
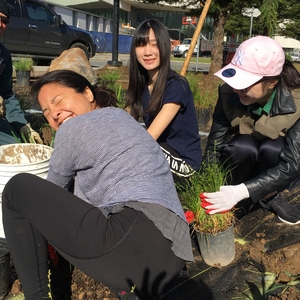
x,y
182,49
37,30
204,48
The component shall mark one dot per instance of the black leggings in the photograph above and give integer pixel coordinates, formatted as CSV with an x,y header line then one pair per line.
x,y
247,157
121,251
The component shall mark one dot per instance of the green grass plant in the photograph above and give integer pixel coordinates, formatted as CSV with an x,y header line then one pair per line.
x,y
121,97
204,89
208,179
23,138
23,64
110,80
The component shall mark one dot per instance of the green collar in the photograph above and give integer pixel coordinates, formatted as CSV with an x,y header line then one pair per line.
x,y
258,110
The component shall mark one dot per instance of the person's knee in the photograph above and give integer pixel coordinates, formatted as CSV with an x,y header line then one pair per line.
x,y
270,150
241,148
14,184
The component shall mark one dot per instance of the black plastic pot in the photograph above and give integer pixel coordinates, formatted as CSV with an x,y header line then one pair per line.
x,y
217,250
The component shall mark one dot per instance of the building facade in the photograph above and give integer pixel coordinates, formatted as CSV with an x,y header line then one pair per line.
x,y
97,16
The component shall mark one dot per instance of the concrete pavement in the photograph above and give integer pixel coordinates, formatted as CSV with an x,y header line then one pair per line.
x,y
98,61
101,59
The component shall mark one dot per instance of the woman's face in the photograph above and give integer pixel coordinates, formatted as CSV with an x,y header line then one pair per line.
x,y
60,103
259,92
148,55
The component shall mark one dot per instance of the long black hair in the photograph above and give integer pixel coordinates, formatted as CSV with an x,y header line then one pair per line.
x,y
289,77
138,76
103,97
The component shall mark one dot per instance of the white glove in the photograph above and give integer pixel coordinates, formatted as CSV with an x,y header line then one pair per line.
x,y
226,198
31,135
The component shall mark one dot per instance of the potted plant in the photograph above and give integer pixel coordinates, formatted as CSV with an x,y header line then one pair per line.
x,y
23,67
215,233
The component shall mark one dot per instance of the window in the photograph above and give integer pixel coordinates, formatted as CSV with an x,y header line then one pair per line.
x,y
14,8
39,13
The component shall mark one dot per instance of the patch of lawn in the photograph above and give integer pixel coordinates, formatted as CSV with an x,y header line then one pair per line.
x,y
193,59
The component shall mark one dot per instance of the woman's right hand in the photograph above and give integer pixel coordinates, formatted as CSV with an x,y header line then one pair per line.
x,y
225,199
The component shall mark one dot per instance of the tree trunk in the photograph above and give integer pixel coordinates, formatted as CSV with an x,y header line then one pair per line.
x,y
217,51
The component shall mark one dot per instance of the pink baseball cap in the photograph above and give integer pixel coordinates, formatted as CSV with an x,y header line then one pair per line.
x,y
254,59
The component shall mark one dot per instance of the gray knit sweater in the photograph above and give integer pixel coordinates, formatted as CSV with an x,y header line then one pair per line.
x,y
116,164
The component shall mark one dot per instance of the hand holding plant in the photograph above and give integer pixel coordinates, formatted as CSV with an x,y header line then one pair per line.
x,y
30,135
225,199
205,204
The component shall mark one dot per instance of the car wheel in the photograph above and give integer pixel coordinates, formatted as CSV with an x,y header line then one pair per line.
x,y
184,54
83,47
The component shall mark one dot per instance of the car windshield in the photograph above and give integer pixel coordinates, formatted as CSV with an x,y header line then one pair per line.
x,y
186,42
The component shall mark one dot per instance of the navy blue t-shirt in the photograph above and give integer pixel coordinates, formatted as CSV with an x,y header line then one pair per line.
x,y
182,134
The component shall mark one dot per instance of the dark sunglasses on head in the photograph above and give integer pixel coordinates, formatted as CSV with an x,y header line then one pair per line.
x,y
4,20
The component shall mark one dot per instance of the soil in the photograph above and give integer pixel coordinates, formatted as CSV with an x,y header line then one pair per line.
x,y
264,254
20,154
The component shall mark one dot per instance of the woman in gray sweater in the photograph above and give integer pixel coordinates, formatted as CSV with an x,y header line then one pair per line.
x,y
123,225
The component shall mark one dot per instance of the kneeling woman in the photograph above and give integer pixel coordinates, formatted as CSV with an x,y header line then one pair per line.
x,y
124,225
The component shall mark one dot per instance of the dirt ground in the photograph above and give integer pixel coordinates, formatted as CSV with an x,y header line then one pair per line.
x,y
267,256
265,249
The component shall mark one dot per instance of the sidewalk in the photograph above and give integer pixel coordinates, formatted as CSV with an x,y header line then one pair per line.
x,y
108,56
38,71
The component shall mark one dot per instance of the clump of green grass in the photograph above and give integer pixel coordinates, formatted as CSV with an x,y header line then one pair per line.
x,y
23,64
208,179
204,89
110,79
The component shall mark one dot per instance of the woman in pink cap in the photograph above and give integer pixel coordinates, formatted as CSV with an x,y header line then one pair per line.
x,y
256,129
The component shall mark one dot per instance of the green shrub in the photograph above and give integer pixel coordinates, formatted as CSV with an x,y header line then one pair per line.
x,y
23,64
204,89
110,79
